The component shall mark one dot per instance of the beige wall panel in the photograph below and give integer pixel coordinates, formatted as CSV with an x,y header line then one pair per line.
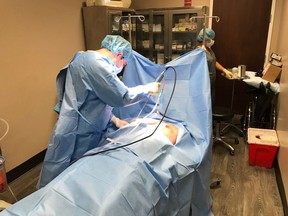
x,y
36,40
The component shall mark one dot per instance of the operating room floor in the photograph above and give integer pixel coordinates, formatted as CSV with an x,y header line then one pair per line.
x,y
22,186
244,190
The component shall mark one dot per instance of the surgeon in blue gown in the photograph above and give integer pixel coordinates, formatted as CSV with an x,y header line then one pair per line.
x,y
88,88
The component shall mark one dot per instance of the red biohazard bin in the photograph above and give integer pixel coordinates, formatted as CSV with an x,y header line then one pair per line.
x,y
3,179
263,147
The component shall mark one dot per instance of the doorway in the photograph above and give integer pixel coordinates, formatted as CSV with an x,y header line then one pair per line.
x,y
241,37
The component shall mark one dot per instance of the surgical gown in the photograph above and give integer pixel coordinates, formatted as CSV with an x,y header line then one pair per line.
x,y
87,89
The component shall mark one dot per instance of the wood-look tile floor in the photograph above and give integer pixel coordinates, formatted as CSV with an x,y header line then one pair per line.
x,y
22,186
244,190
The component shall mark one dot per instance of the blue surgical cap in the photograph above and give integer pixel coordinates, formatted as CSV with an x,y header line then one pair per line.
x,y
116,43
210,34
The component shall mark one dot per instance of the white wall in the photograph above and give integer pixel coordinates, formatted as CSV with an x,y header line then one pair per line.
x,y
37,38
282,120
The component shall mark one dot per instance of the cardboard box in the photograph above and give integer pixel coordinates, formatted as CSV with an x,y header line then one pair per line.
x,y
271,73
263,147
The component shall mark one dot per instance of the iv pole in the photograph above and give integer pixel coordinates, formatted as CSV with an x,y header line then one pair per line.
x,y
205,18
140,17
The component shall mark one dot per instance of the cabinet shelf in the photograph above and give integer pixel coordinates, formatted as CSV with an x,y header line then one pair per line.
x,y
183,32
158,50
143,49
162,39
182,51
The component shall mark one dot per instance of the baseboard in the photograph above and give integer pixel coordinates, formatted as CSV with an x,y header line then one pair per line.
x,y
281,187
25,167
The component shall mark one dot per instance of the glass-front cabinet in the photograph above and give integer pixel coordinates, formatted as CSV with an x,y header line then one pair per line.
x,y
150,36
158,34
168,33
102,20
159,37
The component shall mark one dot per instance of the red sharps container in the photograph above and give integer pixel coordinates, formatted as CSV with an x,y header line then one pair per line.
x,y
3,180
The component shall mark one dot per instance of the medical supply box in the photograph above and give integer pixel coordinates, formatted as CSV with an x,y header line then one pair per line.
x,y
271,73
263,147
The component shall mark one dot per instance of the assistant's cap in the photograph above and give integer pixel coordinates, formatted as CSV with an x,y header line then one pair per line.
x,y
210,34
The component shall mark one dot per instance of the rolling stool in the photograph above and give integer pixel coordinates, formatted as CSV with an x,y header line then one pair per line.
x,y
222,115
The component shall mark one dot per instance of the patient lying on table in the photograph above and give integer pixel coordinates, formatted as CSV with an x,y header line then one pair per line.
x,y
168,129
137,136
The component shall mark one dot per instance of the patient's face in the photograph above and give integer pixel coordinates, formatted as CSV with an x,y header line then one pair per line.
x,y
169,130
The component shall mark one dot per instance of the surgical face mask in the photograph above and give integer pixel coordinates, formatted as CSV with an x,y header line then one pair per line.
x,y
118,70
210,43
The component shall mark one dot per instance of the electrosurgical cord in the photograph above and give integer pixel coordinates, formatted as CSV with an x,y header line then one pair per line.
x,y
141,139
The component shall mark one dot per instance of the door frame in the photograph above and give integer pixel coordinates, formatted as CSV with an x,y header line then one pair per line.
x,y
270,30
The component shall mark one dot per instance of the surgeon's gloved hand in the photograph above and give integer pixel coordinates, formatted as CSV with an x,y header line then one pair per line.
x,y
228,74
153,88
118,122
